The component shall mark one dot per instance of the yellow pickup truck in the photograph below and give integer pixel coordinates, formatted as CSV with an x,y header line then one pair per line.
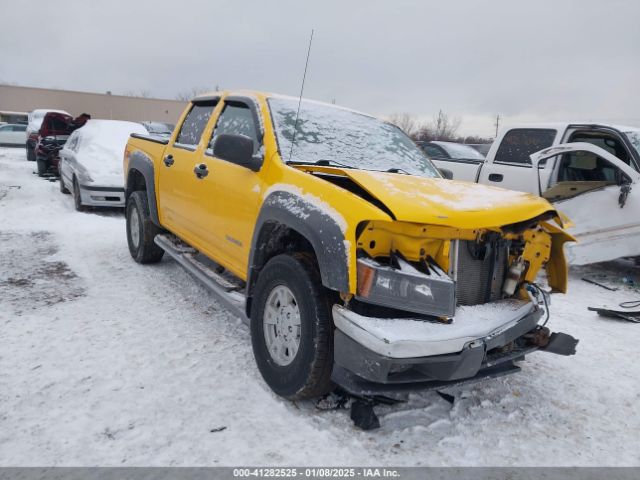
x,y
353,260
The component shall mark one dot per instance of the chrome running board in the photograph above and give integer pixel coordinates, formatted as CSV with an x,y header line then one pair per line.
x,y
230,295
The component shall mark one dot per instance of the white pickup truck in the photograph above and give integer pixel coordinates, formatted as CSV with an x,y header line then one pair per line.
x,y
589,171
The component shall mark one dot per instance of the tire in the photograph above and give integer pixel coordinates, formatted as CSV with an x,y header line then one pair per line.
x,y
77,198
309,372
31,155
141,245
42,166
63,189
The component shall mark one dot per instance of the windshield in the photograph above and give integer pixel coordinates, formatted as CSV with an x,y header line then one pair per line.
x,y
634,138
460,151
333,134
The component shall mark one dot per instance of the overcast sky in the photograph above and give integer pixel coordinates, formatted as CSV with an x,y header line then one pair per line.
x,y
525,60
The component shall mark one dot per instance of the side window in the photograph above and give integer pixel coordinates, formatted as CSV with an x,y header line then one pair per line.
x,y
19,128
604,141
519,143
585,167
581,172
194,124
433,151
236,119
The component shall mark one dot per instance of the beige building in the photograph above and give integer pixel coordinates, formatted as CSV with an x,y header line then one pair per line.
x,y
98,105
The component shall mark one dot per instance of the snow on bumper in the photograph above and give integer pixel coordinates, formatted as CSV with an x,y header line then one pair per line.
x,y
412,338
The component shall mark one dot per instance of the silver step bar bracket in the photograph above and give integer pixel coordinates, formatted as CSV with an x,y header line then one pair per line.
x,y
230,299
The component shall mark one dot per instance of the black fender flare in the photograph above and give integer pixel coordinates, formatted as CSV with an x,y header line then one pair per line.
x,y
141,162
312,222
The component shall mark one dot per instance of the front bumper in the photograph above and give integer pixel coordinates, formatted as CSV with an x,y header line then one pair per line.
x,y
372,356
94,196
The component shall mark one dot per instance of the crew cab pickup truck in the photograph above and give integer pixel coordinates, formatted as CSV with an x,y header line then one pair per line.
x,y
353,261
589,171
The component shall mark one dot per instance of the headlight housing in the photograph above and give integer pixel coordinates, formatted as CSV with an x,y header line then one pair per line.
x,y
406,288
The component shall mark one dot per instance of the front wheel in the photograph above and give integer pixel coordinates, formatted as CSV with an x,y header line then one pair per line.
x,y
77,198
141,230
292,329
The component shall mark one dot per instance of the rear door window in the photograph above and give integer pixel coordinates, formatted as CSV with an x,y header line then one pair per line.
x,y
519,143
194,124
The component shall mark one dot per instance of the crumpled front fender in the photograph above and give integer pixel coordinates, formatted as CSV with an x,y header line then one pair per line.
x,y
557,267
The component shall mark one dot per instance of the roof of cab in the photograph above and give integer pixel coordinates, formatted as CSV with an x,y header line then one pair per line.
x,y
565,125
210,96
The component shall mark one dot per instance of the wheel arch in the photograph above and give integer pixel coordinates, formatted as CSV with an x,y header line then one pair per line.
x,y
288,223
141,177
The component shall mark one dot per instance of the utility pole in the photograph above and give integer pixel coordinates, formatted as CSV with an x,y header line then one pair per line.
x,y
497,124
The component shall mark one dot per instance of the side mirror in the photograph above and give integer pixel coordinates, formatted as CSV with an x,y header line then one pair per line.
x,y
237,149
446,173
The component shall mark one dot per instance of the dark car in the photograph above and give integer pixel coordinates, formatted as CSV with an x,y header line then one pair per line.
x,y
451,150
35,119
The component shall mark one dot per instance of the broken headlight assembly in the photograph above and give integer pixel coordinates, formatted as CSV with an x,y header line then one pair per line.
x,y
406,288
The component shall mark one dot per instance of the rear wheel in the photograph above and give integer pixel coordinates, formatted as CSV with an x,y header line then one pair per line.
x,y
77,198
31,156
292,329
141,230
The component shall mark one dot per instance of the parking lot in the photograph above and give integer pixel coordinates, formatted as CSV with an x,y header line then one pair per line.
x,y
106,362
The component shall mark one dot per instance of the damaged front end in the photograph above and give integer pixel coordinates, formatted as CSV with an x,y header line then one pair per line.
x,y
437,305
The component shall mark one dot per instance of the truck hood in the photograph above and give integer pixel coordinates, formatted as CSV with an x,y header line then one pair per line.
x,y
448,202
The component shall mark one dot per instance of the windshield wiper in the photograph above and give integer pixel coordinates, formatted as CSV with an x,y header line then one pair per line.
x,y
398,170
322,162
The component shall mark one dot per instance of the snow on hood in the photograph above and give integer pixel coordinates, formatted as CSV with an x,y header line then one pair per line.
x,y
448,202
101,149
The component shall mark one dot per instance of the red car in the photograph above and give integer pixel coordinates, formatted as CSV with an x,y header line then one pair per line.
x,y
33,127
54,131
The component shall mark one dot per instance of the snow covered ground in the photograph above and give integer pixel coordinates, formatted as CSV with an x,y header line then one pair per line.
x,y
106,362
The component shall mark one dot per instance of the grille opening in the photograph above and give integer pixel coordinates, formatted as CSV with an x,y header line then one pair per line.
x,y
481,271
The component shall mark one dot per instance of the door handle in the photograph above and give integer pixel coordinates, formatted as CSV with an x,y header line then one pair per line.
x,y
495,177
201,171
168,160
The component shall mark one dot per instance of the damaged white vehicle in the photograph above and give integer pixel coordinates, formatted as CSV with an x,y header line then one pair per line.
x,y
600,195
588,171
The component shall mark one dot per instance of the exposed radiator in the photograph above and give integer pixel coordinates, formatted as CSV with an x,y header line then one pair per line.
x,y
480,272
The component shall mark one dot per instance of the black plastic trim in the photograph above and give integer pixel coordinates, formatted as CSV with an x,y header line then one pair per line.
x,y
102,189
319,228
140,162
161,141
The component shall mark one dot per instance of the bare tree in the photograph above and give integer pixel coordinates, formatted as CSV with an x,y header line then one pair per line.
x,y
407,123
186,95
443,127
440,127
